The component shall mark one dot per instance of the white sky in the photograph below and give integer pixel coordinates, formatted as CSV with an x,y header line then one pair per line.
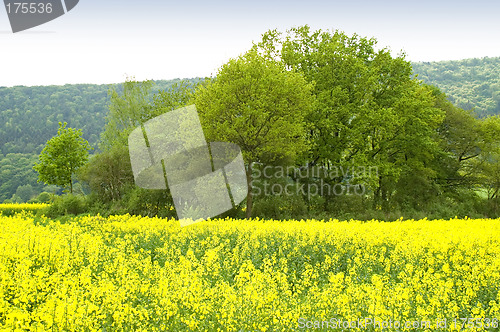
x,y
105,41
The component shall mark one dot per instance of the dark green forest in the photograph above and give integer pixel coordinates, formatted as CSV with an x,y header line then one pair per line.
x,y
428,128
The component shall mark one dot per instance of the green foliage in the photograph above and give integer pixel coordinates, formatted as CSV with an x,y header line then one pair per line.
x,y
62,156
145,202
469,84
16,199
134,103
304,98
16,169
280,207
257,104
469,149
276,195
127,110
370,111
44,197
25,192
109,173
66,205
29,116
178,95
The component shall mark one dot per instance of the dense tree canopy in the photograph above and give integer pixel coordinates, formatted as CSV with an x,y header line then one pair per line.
x,y
29,116
16,170
257,104
109,173
370,110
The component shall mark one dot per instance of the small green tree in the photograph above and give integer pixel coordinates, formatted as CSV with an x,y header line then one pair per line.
x,y
62,155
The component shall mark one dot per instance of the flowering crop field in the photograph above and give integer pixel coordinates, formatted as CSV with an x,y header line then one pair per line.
x,y
9,209
126,273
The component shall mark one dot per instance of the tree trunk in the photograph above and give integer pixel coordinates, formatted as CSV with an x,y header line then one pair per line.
x,y
376,193
249,194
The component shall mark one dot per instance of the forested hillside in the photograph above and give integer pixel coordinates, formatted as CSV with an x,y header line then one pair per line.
x,y
29,117
469,84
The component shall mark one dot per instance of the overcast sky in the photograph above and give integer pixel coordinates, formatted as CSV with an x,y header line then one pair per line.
x,y
106,41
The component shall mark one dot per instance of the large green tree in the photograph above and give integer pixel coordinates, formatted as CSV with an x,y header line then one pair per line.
x,y
62,156
258,104
370,110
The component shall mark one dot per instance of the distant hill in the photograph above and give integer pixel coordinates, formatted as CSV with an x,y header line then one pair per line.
x,y
29,117
469,84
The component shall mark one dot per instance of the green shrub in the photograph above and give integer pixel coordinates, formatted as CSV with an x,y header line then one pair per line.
x,y
279,207
44,197
145,202
68,204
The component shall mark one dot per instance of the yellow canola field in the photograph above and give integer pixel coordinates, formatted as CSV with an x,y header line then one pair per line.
x,y
126,273
9,209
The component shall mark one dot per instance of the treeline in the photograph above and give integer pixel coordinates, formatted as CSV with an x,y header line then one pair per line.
x,y
304,107
469,84
29,116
